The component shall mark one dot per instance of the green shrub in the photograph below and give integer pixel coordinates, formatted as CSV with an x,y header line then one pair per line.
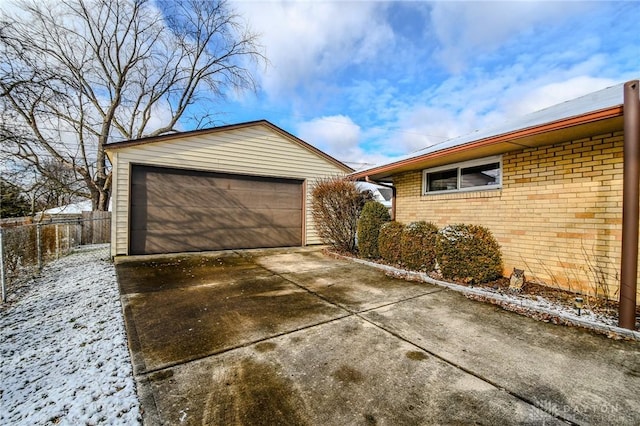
x,y
373,216
468,253
389,241
418,246
336,204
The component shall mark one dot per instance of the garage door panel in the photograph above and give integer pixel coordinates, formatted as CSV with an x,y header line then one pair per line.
x,y
218,188
217,181
161,217
201,180
215,239
215,198
186,210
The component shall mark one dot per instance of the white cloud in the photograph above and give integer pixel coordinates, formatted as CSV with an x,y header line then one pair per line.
x,y
417,126
540,97
466,29
307,41
422,126
338,135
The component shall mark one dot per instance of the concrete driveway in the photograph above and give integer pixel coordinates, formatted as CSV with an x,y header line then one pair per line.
x,y
277,336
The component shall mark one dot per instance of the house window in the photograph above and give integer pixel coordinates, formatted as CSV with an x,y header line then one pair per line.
x,y
475,175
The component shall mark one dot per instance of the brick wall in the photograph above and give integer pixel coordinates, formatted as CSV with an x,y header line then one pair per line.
x,y
558,214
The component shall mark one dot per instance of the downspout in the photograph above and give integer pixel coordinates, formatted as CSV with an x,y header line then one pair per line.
x,y
630,207
393,203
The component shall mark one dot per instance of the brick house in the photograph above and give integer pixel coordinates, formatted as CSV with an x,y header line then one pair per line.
x,y
548,185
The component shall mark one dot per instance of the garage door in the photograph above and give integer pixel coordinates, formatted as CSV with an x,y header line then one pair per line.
x,y
176,210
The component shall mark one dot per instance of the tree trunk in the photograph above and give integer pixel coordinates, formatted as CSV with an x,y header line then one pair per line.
x,y
103,201
100,199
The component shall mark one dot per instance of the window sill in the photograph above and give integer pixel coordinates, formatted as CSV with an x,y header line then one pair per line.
x,y
458,195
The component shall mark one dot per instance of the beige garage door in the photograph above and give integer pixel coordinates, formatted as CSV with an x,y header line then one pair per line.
x,y
176,210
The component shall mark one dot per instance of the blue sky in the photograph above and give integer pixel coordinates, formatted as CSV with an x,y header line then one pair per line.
x,y
366,81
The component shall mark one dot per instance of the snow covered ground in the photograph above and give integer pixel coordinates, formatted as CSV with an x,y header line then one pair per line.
x,y
63,349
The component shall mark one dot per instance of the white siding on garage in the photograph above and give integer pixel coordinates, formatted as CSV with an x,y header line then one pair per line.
x,y
253,150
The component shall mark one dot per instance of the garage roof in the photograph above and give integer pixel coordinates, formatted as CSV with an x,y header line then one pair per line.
x,y
574,119
153,139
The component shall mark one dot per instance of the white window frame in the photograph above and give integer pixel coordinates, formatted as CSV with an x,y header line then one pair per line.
x,y
459,167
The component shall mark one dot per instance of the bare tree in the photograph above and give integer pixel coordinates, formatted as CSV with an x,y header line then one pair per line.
x,y
77,74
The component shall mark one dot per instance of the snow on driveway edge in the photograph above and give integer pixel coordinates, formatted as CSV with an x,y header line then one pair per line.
x,y
63,348
522,306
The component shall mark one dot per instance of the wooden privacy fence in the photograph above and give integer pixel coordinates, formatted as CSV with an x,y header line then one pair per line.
x,y
96,228
24,249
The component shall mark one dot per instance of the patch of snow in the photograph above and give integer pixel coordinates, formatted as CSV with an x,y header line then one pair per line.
x,y
75,208
540,303
63,353
518,302
453,233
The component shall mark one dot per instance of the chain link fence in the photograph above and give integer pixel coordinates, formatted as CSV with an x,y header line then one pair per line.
x,y
26,248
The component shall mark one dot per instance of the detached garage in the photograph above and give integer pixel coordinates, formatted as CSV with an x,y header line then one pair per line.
x,y
240,186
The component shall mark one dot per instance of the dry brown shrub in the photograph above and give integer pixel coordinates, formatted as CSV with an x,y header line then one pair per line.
x,y
336,204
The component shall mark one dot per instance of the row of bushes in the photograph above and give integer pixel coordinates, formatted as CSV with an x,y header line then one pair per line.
x,y
460,252
467,253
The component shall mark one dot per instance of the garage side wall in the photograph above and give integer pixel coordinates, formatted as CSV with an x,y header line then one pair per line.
x,y
558,215
257,151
